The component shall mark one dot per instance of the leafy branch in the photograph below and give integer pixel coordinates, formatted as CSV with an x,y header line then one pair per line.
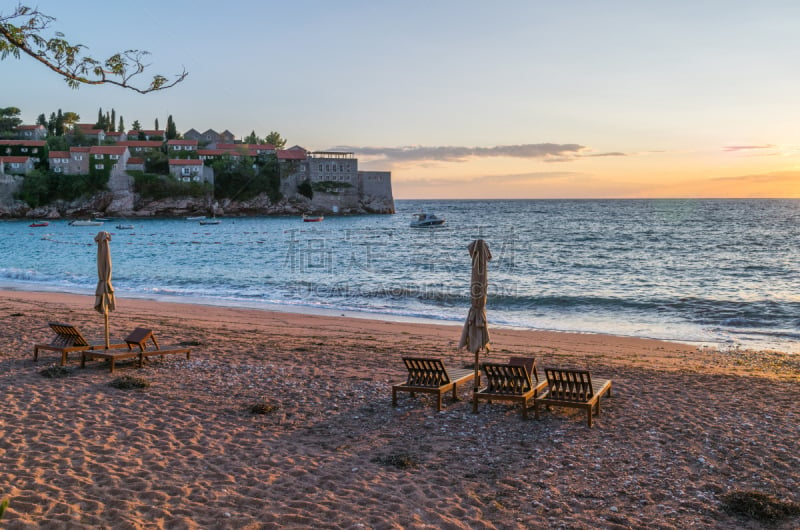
x,y
68,60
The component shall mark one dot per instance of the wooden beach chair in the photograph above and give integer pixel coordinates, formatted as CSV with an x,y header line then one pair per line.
x,y
572,388
68,339
138,338
516,381
429,376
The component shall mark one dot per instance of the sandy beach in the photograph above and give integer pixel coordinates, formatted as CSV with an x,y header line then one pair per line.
x,y
684,428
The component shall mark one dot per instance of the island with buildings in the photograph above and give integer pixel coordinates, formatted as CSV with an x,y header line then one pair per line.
x,y
141,173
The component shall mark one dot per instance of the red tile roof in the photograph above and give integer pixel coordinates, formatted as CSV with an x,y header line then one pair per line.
x,y
14,159
59,154
29,127
79,149
212,152
292,154
141,143
108,150
24,143
135,160
185,162
181,142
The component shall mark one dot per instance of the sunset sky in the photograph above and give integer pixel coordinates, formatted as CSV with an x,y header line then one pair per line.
x,y
467,99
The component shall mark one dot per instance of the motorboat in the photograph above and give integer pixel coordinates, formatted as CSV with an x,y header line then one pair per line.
x,y
425,220
124,227
205,221
36,224
79,222
103,219
312,218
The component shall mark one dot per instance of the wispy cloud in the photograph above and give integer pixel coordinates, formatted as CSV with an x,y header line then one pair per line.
x,y
748,148
763,178
496,179
547,152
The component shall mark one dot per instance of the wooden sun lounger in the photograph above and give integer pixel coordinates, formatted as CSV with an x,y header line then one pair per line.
x,y
572,388
139,337
515,381
68,339
429,376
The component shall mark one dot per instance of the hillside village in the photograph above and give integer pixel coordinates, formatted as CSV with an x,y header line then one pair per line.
x,y
120,164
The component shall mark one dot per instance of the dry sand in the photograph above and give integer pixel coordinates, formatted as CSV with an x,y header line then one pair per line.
x,y
683,428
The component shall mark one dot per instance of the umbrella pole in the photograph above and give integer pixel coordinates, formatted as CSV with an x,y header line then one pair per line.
x,y
476,383
105,318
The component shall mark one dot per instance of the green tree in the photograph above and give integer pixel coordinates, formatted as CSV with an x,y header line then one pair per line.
x,y
42,120
59,126
136,126
252,138
9,119
276,140
112,122
23,32
305,188
157,129
172,131
121,127
57,143
70,119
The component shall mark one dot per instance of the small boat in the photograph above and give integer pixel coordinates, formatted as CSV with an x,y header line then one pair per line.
x,y
209,221
103,219
312,218
78,222
196,218
425,220
36,224
124,227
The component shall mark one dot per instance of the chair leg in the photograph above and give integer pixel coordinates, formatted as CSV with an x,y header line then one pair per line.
x,y
63,358
35,354
439,401
394,397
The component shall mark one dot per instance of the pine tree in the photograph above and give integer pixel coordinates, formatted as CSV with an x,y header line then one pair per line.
x,y
121,127
172,131
157,124
59,126
51,124
41,120
113,121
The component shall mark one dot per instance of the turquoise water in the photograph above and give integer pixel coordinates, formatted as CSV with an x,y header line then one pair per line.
x,y
723,272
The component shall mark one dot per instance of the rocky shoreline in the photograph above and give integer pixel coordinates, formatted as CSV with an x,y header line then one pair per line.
x,y
132,206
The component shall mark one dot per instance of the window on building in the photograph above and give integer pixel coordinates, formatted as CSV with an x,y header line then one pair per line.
x,y
57,169
99,166
99,157
113,157
24,149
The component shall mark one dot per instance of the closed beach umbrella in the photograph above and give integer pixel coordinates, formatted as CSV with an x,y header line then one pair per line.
x,y
104,294
475,334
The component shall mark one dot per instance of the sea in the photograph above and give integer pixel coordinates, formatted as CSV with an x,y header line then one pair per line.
x,y
718,273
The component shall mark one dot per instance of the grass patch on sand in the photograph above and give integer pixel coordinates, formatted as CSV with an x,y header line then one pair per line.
x,y
55,371
759,506
400,461
265,406
127,382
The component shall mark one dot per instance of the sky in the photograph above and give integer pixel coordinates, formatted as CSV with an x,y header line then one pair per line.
x,y
466,99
